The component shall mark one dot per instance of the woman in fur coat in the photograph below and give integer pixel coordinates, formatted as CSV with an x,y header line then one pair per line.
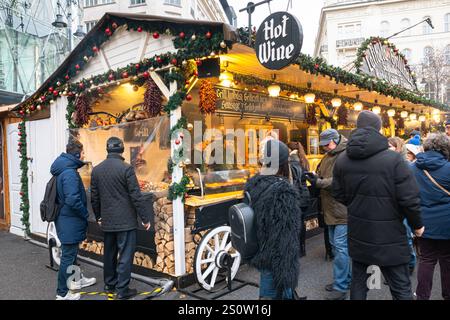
x,y
276,204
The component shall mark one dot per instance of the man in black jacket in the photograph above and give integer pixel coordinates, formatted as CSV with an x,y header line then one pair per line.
x,y
116,200
379,191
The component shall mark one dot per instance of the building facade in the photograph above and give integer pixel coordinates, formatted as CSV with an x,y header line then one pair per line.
x,y
211,10
345,24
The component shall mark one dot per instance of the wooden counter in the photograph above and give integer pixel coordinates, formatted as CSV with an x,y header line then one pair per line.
x,y
197,201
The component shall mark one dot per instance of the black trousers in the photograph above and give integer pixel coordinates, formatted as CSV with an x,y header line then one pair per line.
x,y
397,278
118,259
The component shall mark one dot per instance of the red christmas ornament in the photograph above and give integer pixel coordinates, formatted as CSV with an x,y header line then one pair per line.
x,y
43,98
137,66
81,85
316,66
208,35
174,61
55,93
77,67
139,29
32,108
198,62
21,112
21,193
155,35
125,75
70,94
188,97
159,60
67,77
50,89
146,75
177,142
182,35
95,49
196,73
111,77
108,31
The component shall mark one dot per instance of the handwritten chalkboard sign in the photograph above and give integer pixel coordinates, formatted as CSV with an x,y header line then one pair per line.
x,y
383,62
248,102
279,40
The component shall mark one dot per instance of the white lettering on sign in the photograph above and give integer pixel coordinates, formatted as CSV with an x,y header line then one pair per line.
x,y
267,50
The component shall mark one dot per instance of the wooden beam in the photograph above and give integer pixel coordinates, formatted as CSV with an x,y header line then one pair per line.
x,y
161,85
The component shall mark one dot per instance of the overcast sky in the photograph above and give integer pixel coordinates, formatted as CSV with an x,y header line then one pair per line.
x,y
307,11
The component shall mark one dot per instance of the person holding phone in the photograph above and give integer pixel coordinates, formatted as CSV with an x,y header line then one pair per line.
x,y
117,200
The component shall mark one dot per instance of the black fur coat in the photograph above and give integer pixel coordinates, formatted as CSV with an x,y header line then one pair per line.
x,y
278,220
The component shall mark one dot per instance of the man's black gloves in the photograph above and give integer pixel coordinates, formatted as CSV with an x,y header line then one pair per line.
x,y
312,178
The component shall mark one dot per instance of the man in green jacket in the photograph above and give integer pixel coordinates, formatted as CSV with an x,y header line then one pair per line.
x,y
335,214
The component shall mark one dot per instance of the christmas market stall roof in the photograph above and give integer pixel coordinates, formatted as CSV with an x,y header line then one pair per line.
x,y
305,75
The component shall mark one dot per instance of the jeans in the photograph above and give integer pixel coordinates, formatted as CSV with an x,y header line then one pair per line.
x,y
413,261
267,288
341,264
117,270
397,278
430,252
68,258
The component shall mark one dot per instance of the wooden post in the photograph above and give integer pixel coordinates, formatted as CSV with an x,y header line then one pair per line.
x,y
178,206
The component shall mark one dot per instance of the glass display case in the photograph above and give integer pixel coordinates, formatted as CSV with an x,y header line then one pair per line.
x,y
216,182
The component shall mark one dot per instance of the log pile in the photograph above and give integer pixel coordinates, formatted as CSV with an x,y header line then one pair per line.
x,y
165,260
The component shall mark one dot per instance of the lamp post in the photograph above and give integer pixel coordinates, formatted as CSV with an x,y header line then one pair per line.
x,y
427,20
60,23
250,9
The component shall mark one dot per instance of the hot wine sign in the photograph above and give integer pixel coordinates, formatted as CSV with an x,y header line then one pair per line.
x,y
279,40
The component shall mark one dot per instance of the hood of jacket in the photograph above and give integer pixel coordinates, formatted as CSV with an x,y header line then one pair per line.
x,y
65,161
340,147
365,142
430,160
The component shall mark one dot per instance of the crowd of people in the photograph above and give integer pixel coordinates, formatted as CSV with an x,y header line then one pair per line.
x,y
385,203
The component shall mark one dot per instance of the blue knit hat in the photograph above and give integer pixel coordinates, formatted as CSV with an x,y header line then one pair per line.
x,y
415,141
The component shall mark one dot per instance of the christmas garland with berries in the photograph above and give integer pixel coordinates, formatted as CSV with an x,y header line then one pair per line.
x,y
24,196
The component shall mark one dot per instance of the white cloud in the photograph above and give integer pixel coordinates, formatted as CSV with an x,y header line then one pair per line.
x,y
307,11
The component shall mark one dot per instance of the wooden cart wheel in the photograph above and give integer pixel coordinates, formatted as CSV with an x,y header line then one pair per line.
x,y
210,256
56,250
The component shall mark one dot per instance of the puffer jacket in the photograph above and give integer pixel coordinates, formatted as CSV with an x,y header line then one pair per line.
x,y
278,222
334,212
72,220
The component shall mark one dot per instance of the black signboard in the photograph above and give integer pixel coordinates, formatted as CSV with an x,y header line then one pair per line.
x,y
279,40
241,101
383,62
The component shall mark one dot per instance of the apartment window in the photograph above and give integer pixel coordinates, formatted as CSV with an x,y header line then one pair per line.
x,y
447,54
407,54
406,23
426,29
135,2
173,2
90,25
349,30
447,22
90,3
384,29
427,55
430,91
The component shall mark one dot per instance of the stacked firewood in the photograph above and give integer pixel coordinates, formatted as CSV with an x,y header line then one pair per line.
x,y
93,246
165,260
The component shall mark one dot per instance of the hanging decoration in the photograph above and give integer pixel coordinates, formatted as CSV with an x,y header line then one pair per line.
x,y
24,196
83,108
208,97
385,120
311,115
152,98
342,114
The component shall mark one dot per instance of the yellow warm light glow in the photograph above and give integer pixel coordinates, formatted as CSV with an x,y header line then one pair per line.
x,y
310,97
404,114
376,110
226,79
422,118
413,117
274,90
391,112
358,106
336,102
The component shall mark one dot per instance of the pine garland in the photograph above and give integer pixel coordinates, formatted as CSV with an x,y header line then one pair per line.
x,y
70,110
208,97
152,98
25,201
177,190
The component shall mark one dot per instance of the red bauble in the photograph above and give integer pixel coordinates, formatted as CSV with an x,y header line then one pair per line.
x,y
81,85
50,89
139,29
21,112
67,77
77,67
158,59
32,108
108,31
111,77
182,35
125,75
316,66
196,73
208,35
70,94
177,142
55,93
43,98
174,61
198,62
137,66
155,35
188,97
95,49
114,25
146,75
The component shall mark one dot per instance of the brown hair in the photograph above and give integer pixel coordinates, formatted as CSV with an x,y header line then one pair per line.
x,y
398,143
301,154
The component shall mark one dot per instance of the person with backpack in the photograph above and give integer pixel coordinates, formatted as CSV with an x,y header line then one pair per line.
x,y
276,204
298,164
116,200
335,213
72,219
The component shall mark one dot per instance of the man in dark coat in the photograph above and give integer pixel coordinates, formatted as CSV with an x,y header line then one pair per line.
x,y
116,200
379,190
72,220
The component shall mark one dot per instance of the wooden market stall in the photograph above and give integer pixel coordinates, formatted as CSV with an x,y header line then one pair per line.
x,y
132,71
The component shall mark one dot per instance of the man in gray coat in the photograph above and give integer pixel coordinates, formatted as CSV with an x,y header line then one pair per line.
x,y
116,200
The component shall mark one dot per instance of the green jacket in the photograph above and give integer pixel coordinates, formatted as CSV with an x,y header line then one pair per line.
x,y
334,212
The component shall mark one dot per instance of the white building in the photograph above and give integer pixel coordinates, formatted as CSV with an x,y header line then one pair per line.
x,y
345,24
211,10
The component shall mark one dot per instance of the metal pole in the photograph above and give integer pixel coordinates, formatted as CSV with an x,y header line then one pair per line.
x,y
249,29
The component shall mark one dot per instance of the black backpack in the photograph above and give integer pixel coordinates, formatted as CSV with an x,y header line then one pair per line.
x,y
49,205
243,227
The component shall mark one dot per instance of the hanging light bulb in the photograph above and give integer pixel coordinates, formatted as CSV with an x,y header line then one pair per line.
x,y
310,97
358,106
226,79
437,118
274,89
336,102
422,118
391,112
404,113
436,111
293,95
413,116
376,110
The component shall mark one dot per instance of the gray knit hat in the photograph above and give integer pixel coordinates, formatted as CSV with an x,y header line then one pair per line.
x,y
368,119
